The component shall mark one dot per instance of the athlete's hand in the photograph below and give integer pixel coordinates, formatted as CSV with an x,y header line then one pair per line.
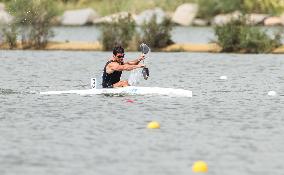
x,y
142,57
141,65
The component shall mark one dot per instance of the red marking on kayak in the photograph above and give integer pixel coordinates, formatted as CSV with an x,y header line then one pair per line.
x,y
129,101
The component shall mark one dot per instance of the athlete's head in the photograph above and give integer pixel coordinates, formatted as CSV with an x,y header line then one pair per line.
x,y
118,53
117,50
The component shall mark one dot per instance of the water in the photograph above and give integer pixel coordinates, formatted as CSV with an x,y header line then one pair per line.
x,y
231,124
179,34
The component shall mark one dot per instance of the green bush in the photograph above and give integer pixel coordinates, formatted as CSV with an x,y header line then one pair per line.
x,y
118,32
236,36
123,32
157,35
9,34
273,7
210,8
33,19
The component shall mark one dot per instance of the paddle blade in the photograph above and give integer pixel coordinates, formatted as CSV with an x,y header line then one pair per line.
x,y
145,73
144,48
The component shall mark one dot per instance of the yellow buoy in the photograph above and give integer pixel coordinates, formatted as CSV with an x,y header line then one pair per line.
x,y
199,167
153,125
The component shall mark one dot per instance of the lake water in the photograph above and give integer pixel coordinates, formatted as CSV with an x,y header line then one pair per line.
x,y
232,124
179,34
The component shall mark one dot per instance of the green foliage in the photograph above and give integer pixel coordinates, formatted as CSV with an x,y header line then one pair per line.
x,y
209,8
273,7
123,32
68,1
157,35
171,5
257,41
10,35
5,1
236,36
119,32
33,18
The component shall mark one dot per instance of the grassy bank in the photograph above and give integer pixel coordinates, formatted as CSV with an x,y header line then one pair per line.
x,y
107,7
207,8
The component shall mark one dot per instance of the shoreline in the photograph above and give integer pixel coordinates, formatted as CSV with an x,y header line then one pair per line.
x,y
96,46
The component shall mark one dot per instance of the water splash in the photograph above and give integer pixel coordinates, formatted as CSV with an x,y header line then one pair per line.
x,y
135,77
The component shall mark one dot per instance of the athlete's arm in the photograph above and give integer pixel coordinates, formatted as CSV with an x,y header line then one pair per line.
x,y
136,61
117,67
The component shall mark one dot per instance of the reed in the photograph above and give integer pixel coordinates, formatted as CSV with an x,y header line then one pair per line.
x,y
119,32
33,21
236,36
9,35
157,35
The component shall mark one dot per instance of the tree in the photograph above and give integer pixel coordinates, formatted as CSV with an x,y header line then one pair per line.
x,y
33,18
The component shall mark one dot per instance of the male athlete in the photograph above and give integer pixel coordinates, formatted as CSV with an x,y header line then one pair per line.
x,y
115,66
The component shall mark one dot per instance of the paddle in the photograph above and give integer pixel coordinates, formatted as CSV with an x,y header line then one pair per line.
x,y
145,50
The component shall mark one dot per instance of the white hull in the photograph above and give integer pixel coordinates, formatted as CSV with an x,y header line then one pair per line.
x,y
130,90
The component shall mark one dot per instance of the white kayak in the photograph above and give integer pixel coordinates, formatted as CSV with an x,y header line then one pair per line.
x,y
130,90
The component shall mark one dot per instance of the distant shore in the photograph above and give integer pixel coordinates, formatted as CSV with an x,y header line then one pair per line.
x,y
96,46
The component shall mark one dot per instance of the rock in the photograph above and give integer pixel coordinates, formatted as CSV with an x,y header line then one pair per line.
x,y
273,21
255,18
5,17
2,6
282,18
225,18
111,18
169,14
185,14
78,17
200,22
146,16
56,21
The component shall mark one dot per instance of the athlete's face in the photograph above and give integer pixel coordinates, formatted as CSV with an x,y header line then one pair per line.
x,y
119,57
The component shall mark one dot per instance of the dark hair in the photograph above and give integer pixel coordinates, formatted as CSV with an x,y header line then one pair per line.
x,y
117,49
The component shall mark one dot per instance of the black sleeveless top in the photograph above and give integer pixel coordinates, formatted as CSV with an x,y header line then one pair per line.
x,y
110,79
